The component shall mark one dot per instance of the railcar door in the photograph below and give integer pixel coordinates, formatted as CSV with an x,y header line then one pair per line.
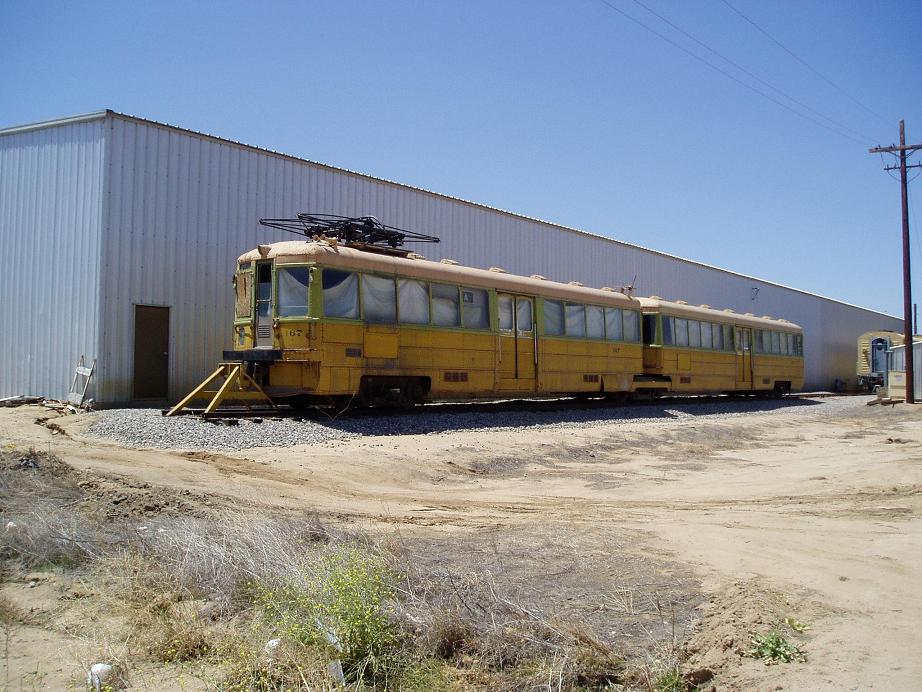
x,y
264,305
743,358
518,353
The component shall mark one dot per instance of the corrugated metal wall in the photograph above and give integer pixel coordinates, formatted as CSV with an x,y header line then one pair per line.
x,y
50,222
183,206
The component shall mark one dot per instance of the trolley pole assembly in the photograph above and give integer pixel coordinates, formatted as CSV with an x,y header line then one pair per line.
x,y
902,150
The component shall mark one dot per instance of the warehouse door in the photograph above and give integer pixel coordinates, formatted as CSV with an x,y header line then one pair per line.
x,y
743,358
151,352
518,346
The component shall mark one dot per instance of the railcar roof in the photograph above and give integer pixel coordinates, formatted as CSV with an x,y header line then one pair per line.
x,y
333,254
716,315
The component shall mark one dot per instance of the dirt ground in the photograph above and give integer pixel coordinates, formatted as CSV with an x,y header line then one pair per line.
x,y
705,527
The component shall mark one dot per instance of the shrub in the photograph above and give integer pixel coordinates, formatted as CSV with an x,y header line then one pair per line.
x,y
339,602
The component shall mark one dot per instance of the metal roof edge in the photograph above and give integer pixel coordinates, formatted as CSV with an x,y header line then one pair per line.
x,y
550,224
57,122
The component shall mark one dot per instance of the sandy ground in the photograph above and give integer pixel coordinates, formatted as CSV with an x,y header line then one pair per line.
x,y
736,522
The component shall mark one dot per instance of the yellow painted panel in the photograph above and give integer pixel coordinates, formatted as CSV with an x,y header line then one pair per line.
x,y
683,362
342,333
617,382
381,344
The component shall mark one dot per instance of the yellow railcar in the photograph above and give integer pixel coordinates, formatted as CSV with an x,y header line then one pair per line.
x,y
319,321
691,349
354,319
871,365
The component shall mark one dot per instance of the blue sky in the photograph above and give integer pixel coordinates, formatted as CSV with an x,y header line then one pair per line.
x,y
566,111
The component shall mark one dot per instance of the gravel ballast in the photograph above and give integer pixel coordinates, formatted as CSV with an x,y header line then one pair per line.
x,y
146,428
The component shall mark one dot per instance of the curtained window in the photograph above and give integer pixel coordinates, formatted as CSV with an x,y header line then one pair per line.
x,y
553,318
379,299
475,308
631,325
595,322
446,308
340,294
292,286
576,319
413,301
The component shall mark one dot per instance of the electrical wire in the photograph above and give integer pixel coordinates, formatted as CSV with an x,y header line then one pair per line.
x,y
753,76
729,75
805,63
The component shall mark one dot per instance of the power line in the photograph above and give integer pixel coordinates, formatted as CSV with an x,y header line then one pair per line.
x,y
805,63
727,74
753,76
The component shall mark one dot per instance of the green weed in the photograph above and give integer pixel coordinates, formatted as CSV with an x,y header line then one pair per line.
x,y
774,647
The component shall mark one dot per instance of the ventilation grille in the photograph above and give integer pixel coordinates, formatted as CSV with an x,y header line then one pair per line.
x,y
590,378
455,376
264,331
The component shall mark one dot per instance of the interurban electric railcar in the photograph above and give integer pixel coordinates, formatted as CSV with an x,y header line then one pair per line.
x,y
702,350
335,320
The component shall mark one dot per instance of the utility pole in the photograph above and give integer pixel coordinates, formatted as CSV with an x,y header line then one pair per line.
x,y
902,150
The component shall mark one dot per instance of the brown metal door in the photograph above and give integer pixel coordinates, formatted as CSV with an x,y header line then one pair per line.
x,y
151,352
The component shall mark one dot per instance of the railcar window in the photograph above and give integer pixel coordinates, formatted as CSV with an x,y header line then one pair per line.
x,y
553,318
668,330
898,360
799,343
523,317
631,326
576,319
706,339
379,299
718,337
446,306
614,324
264,283
790,340
595,322
413,301
694,333
475,308
340,294
242,302
506,317
785,345
681,332
728,336
291,285
776,343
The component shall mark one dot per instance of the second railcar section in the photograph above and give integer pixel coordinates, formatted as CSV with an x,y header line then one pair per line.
x,y
702,350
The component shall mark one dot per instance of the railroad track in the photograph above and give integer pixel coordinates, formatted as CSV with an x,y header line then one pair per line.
x,y
231,415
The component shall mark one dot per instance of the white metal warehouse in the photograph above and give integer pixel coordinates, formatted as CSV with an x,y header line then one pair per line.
x,y
120,231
